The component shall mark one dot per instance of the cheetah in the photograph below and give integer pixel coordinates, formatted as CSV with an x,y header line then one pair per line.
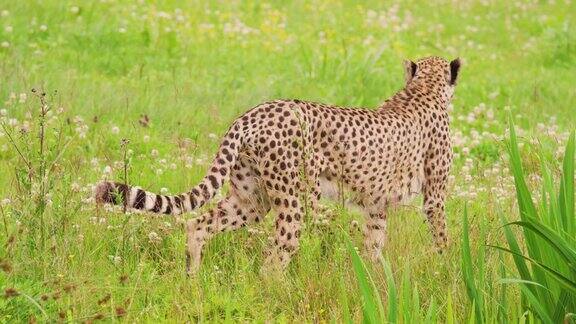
x,y
279,154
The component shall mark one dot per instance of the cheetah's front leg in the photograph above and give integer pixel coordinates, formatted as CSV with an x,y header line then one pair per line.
x,y
434,200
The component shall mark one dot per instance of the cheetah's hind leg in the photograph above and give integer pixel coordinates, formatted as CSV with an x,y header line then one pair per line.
x,y
246,203
375,235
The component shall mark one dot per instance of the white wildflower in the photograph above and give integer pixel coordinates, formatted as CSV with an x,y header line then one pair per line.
x,y
153,237
75,186
115,259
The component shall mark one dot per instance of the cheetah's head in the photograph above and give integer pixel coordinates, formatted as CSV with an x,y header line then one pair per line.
x,y
434,71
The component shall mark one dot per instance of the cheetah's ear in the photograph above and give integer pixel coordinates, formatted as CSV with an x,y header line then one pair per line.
x,y
409,70
454,69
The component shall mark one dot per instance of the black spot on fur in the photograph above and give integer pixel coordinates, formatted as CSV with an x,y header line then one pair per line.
x,y
140,199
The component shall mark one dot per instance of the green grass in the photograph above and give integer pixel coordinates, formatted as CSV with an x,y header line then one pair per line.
x,y
192,67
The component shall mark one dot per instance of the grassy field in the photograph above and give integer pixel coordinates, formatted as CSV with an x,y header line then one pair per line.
x,y
170,76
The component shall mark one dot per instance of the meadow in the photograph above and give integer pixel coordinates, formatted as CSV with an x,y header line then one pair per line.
x,y
108,89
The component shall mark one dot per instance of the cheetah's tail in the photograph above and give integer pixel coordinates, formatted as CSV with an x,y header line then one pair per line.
x,y
136,198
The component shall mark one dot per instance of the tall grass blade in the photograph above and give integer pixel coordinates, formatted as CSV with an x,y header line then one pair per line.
x,y
392,294
406,308
566,195
372,308
527,213
561,279
449,310
344,304
431,313
468,268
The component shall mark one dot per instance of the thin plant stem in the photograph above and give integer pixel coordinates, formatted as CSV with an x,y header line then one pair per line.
x,y
124,145
4,219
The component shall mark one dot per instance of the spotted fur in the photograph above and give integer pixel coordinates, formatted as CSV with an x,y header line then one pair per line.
x,y
279,153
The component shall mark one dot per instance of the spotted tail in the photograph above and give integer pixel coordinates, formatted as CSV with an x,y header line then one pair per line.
x,y
137,198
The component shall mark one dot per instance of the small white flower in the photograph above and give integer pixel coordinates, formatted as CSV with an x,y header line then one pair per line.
x,y
75,187
8,29
212,136
22,98
122,30
163,191
146,138
5,202
107,170
3,112
154,153
115,130
153,237
43,28
5,44
74,9
4,13
115,259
